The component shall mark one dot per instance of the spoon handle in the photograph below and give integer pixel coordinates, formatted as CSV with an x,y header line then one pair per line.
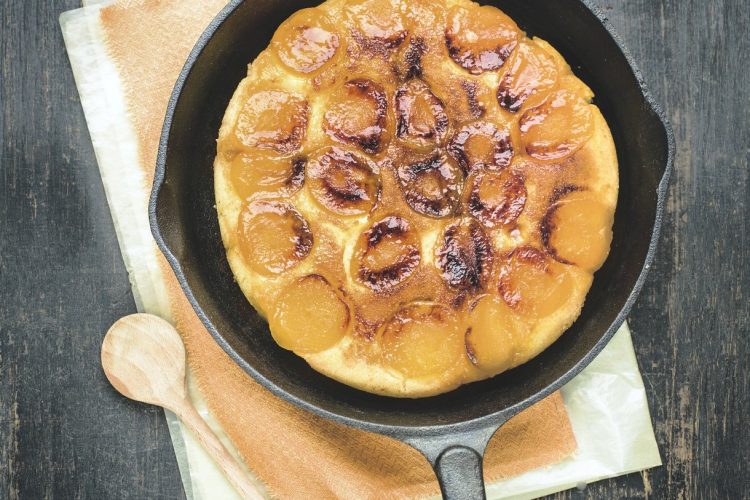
x,y
226,462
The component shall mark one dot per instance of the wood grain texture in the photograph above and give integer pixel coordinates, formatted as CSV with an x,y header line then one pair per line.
x,y
64,432
62,282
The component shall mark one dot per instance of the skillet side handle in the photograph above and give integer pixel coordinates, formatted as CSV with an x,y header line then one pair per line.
x,y
459,472
457,460
164,216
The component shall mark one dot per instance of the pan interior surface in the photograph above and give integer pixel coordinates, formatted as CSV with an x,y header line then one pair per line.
x,y
186,222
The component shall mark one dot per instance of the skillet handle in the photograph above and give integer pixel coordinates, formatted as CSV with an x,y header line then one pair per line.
x,y
164,216
459,472
457,460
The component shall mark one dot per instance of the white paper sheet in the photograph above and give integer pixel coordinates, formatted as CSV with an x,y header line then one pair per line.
x,y
606,402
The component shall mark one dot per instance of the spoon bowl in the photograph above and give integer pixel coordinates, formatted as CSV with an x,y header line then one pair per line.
x,y
144,359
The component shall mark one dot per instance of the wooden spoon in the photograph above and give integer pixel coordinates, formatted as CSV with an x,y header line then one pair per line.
x,y
144,359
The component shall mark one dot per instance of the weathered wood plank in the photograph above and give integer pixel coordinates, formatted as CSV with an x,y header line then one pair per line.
x,y
63,432
691,326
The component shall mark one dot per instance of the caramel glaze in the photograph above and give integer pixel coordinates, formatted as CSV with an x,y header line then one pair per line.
x,y
429,149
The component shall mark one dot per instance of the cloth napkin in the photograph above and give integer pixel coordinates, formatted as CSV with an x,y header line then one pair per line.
x,y
126,56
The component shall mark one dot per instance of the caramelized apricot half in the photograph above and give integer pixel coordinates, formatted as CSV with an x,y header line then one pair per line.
x,y
431,186
480,39
387,254
262,173
420,116
464,256
378,23
273,119
495,198
530,72
343,182
481,145
306,41
492,335
533,284
558,127
577,229
273,236
357,114
422,340
309,316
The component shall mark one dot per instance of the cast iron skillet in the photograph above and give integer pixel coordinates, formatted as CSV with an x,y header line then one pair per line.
x,y
451,430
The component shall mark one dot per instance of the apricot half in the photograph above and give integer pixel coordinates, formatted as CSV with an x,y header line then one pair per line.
x,y
492,335
343,182
309,316
378,23
533,284
577,229
387,254
261,173
273,119
306,41
530,72
558,127
495,198
273,236
422,340
464,256
481,145
431,186
420,116
480,39
357,114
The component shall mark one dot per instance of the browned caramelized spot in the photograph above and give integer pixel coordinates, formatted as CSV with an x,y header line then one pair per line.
x,y
378,25
306,41
547,225
431,186
471,351
413,58
481,145
558,127
480,39
261,173
357,115
465,256
545,229
496,198
420,115
343,182
475,107
562,191
422,340
387,254
273,236
577,229
532,284
531,71
273,119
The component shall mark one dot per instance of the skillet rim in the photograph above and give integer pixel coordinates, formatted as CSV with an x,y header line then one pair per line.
x,y
490,420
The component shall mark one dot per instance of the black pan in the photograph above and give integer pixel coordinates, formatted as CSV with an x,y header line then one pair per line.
x,y
451,430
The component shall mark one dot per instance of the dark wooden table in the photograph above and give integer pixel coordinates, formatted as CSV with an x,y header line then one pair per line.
x,y
64,433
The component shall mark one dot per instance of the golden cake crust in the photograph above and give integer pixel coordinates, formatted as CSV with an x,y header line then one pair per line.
x,y
458,262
